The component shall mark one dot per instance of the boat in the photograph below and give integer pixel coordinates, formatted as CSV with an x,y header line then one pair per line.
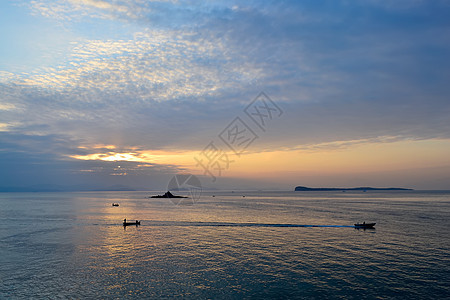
x,y
115,204
365,225
125,223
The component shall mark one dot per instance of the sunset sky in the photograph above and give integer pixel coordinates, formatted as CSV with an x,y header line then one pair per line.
x,y
95,94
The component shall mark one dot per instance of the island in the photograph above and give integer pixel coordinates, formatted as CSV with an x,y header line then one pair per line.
x,y
168,195
308,189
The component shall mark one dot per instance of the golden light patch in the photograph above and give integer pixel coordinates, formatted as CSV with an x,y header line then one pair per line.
x,y
4,127
109,157
7,106
181,159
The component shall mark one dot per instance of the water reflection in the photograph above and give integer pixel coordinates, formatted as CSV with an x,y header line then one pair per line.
x,y
223,247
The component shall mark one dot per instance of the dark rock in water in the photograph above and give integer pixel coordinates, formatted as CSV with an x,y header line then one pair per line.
x,y
168,195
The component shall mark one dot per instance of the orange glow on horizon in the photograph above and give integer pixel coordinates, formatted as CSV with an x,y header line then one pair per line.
x,y
181,159
356,158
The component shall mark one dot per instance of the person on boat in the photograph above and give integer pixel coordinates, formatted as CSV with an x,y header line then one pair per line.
x,y
124,220
364,222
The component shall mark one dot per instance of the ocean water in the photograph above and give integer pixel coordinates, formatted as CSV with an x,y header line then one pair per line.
x,y
73,245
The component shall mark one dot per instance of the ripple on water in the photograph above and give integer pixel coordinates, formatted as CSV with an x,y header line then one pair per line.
x,y
78,249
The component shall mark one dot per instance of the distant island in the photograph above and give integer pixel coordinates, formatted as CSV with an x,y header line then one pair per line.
x,y
308,189
168,195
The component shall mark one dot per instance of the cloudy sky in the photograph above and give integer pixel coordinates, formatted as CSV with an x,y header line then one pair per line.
x,y
244,94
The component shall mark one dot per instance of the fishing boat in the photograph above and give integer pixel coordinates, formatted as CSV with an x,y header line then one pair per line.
x,y
125,223
364,225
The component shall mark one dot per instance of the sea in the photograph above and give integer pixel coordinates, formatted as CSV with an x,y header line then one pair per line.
x,y
225,245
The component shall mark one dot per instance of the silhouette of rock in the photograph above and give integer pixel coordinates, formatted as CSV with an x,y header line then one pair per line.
x,y
168,194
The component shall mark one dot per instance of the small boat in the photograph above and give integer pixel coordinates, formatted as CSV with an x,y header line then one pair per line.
x,y
115,204
125,223
364,225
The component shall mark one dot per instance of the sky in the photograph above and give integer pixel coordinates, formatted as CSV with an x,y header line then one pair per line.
x,y
99,94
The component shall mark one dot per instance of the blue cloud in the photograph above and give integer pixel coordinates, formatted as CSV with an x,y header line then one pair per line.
x,y
171,75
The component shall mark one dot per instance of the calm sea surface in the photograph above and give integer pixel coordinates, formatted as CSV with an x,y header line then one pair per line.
x,y
73,245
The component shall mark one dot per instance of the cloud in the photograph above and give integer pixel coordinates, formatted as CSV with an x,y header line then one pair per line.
x,y
4,127
179,72
69,9
31,160
164,13
154,65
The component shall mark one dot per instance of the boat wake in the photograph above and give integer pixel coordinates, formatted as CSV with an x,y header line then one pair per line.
x,y
230,224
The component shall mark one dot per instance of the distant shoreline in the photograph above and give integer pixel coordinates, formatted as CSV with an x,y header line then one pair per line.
x,y
308,189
